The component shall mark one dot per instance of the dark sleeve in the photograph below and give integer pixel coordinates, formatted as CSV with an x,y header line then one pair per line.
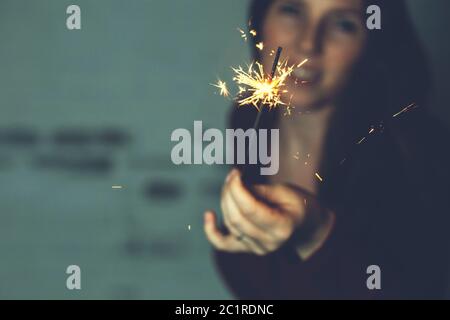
x,y
389,215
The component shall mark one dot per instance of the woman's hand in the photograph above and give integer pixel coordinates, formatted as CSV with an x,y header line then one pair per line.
x,y
262,220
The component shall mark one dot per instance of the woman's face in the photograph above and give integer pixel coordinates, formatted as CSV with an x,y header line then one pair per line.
x,y
331,34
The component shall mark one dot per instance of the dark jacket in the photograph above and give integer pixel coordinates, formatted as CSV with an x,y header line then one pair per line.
x,y
391,199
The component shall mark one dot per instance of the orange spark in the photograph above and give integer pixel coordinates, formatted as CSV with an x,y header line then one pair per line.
x,y
260,46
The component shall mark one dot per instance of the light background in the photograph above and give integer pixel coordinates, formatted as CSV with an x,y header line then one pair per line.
x,y
141,69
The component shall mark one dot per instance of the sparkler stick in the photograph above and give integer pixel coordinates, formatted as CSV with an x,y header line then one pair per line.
x,y
245,175
272,75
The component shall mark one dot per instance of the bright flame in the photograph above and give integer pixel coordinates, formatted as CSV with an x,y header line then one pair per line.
x,y
223,88
262,89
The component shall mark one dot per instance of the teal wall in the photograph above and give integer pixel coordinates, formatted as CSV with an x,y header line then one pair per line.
x,y
139,69
143,68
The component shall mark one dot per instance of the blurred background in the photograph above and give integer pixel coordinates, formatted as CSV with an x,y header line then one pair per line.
x,y
85,124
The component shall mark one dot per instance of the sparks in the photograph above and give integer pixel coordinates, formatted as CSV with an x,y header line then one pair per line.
x,y
243,34
260,46
262,89
289,107
362,140
302,63
253,33
223,88
406,109
319,177
116,187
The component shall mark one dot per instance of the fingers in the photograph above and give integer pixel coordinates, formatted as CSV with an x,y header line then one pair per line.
x,y
253,237
220,241
240,222
250,207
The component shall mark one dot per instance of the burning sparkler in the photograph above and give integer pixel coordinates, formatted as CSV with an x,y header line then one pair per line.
x,y
269,83
263,90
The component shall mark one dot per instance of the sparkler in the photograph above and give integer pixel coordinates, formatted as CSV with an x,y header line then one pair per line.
x,y
258,89
264,91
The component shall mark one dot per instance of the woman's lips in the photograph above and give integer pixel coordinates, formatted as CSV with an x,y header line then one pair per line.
x,y
305,75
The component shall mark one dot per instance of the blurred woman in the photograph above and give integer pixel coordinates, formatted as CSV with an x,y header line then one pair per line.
x,y
360,182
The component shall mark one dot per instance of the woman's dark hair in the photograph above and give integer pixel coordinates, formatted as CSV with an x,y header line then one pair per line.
x,y
393,58
392,73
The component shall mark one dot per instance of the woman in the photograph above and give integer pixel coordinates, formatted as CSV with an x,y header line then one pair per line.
x,y
360,184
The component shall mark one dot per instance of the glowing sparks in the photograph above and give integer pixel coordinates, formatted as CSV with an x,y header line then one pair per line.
x,y
262,89
319,177
260,46
362,140
297,156
243,34
116,187
406,109
289,107
189,227
302,63
242,90
223,88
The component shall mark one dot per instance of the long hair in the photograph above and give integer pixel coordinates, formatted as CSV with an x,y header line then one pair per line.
x,y
374,187
393,57
392,73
